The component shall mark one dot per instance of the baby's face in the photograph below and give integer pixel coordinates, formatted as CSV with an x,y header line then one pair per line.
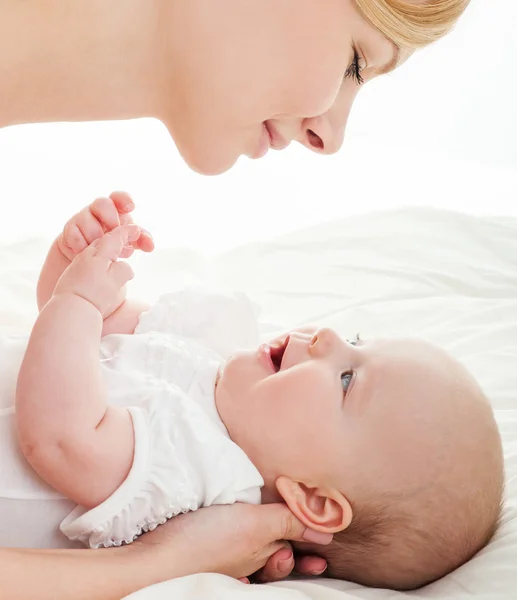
x,y
325,411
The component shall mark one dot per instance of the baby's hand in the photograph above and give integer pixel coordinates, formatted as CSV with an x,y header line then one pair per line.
x,y
96,274
100,217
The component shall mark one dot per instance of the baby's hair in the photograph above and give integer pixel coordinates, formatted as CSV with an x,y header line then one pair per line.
x,y
412,24
385,536
371,553
403,538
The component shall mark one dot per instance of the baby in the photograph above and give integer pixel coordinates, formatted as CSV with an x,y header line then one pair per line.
x,y
132,412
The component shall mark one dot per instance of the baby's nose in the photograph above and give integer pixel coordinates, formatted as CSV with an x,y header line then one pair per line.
x,y
324,340
301,335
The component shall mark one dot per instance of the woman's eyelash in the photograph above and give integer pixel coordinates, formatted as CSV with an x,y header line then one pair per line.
x,y
354,70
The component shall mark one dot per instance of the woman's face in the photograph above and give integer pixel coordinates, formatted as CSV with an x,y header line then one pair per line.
x,y
257,74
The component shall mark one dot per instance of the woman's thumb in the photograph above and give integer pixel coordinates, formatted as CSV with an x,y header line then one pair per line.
x,y
283,525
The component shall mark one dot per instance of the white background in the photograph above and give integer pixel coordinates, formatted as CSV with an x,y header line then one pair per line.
x,y
441,131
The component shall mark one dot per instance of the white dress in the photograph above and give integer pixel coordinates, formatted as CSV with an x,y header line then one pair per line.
x,y
184,459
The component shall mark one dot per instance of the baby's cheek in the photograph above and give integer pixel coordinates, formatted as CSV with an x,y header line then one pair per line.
x,y
304,392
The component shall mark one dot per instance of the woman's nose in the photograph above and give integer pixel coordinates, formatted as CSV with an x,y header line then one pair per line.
x,y
325,134
322,135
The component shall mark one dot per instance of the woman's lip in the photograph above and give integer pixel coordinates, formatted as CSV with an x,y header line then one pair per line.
x,y
270,138
265,357
277,141
264,143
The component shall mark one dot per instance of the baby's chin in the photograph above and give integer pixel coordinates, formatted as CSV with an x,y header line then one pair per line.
x,y
242,366
270,494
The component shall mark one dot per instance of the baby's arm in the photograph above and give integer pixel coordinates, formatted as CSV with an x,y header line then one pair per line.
x,y
103,215
79,445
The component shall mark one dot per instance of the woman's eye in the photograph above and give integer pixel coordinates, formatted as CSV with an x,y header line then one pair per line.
x,y
354,70
346,378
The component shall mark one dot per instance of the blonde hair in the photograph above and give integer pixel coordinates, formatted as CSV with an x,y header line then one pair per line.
x,y
412,24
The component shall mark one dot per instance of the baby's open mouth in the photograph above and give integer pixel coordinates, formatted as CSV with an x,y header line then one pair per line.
x,y
277,354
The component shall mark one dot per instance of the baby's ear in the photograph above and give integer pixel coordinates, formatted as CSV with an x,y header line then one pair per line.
x,y
322,509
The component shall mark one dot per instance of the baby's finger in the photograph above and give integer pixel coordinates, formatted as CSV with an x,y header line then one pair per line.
x,y
121,272
105,211
145,242
123,202
111,244
127,251
126,219
73,238
89,227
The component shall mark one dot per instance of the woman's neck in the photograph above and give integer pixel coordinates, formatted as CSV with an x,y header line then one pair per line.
x,y
63,60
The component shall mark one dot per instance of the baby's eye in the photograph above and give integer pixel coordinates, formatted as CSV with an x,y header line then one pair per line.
x,y
346,378
356,341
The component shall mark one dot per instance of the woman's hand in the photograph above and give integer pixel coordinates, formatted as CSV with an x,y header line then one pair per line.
x,y
281,564
236,540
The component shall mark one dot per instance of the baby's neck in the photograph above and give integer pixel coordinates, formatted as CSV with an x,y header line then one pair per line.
x,y
269,492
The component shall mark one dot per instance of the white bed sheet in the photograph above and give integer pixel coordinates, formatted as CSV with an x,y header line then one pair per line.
x,y
449,277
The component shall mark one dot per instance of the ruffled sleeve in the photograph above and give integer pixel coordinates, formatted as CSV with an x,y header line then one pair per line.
x,y
221,321
181,462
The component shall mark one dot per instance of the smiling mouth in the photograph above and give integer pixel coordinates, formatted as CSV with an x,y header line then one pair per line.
x,y
277,354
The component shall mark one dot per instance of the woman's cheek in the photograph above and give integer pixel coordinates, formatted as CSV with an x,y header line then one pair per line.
x,y
318,94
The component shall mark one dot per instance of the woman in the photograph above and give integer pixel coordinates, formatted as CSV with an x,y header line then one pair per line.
x,y
228,78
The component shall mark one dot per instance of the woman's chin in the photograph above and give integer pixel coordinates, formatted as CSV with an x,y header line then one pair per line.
x,y
209,164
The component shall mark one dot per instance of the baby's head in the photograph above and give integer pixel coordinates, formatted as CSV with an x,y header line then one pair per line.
x,y
389,444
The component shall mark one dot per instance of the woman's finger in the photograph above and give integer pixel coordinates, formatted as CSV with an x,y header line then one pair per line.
x,y
310,565
278,567
280,524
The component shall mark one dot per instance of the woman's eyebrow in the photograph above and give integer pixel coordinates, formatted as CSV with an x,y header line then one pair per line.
x,y
392,63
